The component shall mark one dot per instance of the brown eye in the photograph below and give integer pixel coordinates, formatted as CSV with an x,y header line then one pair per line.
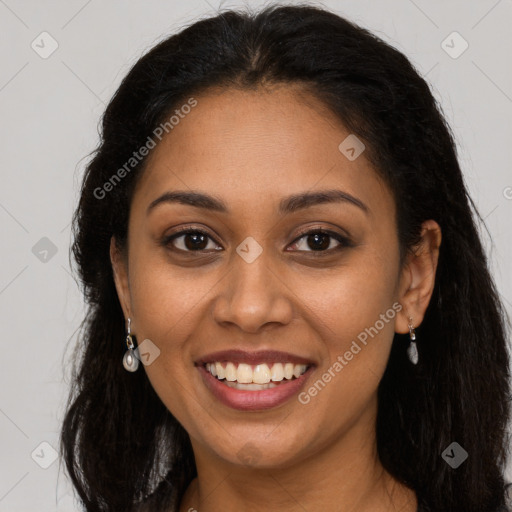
x,y
320,241
190,241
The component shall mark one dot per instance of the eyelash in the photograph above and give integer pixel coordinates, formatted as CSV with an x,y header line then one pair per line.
x,y
343,241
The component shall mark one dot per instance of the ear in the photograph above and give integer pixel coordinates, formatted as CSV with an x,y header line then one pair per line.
x,y
120,271
417,278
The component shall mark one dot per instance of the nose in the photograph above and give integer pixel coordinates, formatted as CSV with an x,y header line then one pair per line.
x,y
252,296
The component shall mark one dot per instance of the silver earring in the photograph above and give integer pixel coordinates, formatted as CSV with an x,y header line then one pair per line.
x,y
130,362
412,349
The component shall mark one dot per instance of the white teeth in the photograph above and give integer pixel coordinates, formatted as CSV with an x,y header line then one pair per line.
x,y
219,370
230,372
260,374
277,372
288,371
250,387
297,370
244,374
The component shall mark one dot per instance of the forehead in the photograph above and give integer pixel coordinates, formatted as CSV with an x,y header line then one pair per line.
x,y
253,147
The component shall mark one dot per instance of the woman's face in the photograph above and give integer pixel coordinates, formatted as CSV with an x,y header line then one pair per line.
x,y
257,283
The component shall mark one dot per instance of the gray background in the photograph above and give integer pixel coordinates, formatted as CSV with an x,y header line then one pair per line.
x,y
50,109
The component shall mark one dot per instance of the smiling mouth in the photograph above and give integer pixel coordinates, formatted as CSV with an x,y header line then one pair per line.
x,y
255,377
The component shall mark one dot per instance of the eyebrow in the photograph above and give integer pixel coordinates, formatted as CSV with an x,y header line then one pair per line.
x,y
288,204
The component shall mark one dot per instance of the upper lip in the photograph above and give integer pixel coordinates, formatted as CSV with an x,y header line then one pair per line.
x,y
260,356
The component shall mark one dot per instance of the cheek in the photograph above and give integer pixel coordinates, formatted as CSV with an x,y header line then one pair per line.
x,y
353,311
166,298
343,302
160,303
166,308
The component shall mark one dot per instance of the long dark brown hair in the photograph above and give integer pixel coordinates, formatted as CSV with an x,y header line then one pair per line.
x,y
119,442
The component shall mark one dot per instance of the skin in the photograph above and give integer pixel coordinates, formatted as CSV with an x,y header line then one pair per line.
x,y
251,149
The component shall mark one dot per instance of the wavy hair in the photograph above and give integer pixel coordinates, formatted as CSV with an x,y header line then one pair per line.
x,y
120,444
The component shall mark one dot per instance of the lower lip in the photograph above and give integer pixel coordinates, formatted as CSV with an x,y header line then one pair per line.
x,y
253,400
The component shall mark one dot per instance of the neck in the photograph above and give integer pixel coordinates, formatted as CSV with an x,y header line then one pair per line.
x,y
346,475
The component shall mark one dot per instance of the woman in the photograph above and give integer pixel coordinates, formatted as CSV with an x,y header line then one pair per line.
x,y
276,226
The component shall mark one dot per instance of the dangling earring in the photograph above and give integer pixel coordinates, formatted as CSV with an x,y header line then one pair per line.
x,y
412,349
130,362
